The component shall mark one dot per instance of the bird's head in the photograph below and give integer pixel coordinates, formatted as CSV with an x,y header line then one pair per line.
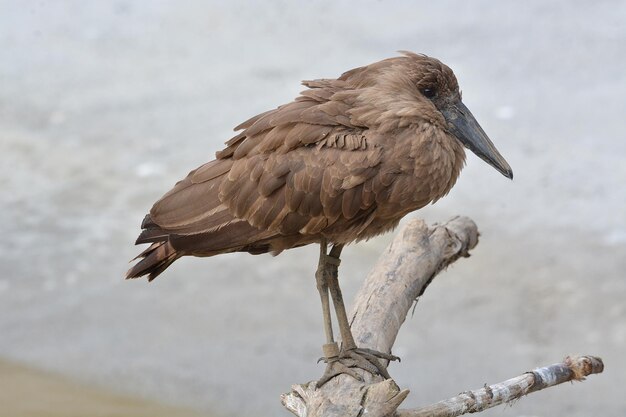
x,y
419,89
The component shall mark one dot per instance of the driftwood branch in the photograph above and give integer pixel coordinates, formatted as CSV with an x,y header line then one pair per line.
x,y
408,265
404,270
572,369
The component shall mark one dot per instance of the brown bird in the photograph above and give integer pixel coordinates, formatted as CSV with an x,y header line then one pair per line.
x,y
343,162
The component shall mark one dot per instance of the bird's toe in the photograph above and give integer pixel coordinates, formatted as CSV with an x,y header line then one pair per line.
x,y
337,367
349,360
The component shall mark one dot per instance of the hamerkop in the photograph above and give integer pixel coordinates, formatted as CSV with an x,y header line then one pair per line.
x,y
342,163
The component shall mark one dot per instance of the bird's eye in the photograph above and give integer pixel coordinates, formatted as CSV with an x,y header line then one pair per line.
x,y
429,93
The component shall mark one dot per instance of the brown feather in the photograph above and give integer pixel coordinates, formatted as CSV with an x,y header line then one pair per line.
x,y
346,160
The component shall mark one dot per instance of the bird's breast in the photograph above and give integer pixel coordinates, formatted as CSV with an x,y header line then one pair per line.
x,y
428,165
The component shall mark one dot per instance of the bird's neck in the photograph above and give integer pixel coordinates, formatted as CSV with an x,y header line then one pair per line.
x,y
437,160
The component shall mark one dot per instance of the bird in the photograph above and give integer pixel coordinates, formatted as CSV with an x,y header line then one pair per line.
x,y
343,162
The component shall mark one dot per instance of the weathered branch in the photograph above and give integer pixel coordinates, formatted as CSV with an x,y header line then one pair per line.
x,y
572,369
407,266
402,273
404,270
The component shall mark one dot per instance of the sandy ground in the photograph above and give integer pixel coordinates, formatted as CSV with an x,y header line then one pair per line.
x,y
104,105
25,392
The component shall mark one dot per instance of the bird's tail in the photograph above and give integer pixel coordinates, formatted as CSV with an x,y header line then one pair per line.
x,y
154,260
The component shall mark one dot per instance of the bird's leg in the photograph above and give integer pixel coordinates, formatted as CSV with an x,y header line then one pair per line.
x,y
330,348
367,359
350,355
332,280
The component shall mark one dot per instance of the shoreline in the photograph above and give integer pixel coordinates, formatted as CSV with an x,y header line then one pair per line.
x,y
26,391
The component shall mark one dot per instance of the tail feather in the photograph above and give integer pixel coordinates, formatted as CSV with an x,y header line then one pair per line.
x,y
151,235
154,260
148,223
166,246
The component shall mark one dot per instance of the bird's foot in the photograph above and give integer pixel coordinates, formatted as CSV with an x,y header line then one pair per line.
x,y
367,359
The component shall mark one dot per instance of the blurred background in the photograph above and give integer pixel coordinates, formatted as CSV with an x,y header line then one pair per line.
x,y
104,105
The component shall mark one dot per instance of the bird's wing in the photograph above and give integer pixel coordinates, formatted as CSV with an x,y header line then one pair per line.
x,y
307,189
298,169
303,191
325,106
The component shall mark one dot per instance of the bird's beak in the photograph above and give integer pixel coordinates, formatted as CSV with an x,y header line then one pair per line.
x,y
466,129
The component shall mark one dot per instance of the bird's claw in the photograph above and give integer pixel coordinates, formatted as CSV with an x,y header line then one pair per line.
x,y
334,367
363,358
377,354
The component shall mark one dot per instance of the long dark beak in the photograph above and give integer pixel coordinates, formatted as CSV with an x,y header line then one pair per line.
x,y
466,129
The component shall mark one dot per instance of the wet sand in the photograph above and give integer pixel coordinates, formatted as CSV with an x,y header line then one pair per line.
x,y
27,392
